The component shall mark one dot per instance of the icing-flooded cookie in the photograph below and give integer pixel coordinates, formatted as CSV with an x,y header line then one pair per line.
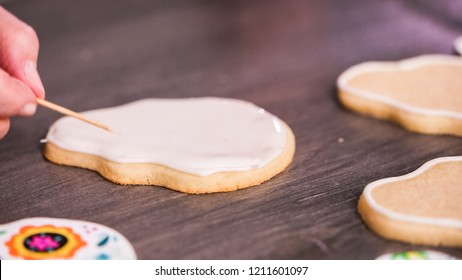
x,y
49,238
458,45
423,94
422,207
416,255
194,145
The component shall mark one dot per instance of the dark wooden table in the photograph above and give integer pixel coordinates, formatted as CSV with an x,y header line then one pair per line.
x,y
282,55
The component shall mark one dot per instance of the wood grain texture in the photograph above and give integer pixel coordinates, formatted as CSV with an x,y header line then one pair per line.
x,y
282,55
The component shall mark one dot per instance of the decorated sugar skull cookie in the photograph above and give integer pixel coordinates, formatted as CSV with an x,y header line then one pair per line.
x,y
49,238
416,255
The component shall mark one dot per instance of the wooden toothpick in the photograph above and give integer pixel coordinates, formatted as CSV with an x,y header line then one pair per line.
x,y
70,113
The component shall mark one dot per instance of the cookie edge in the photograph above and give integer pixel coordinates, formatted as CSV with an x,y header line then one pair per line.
x,y
405,227
161,175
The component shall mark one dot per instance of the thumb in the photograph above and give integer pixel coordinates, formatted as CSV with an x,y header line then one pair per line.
x,y
19,48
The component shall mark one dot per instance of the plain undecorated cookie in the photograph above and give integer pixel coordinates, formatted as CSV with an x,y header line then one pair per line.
x,y
422,94
195,145
422,207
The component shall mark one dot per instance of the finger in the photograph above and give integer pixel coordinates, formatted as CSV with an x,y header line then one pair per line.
x,y
19,48
15,97
4,127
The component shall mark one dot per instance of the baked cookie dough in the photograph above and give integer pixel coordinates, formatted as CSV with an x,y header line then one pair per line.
x,y
422,207
423,94
194,145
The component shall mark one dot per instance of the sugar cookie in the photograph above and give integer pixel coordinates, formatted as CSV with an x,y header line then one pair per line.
x,y
423,94
195,145
49,238
422,207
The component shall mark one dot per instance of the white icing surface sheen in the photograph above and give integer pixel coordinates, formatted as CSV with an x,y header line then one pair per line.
x,y
200,136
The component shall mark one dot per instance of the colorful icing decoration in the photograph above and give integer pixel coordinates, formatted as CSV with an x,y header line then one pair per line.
x,y
44,242
458,45
49,238
416,255
198,136
103,241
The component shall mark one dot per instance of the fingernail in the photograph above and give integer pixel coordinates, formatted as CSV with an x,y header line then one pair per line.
x,y
32,76
28,109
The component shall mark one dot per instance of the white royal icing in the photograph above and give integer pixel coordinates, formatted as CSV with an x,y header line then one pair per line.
x,y
407,64
458,45
200,136
446,222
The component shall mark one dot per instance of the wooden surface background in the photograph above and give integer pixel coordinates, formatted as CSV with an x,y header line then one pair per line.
x,y
284,56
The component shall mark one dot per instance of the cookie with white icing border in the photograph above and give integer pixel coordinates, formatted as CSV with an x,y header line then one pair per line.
x,y
422,94
458,45
194,145
422,207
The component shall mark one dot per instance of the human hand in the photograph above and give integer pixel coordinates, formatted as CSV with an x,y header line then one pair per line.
x,y
20,82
